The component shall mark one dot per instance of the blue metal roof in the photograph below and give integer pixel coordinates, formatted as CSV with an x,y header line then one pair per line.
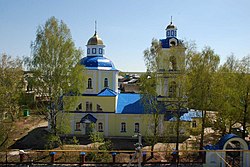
x,y
165,42
107,92
221,142
97,63
89,117
129,103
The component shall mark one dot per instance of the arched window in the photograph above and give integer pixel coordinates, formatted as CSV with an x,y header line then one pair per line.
x,y
168,33
123,127
172,64
88,106
88,51
106,83
100,127
93,50
137,128
172,89
89,83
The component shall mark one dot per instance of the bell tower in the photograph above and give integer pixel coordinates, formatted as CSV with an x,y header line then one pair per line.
x,y
170,65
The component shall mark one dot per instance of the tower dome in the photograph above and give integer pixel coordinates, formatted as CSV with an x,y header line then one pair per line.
x,y
171,26
95,40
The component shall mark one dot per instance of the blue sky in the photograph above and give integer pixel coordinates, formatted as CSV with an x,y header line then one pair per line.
x,y
128,26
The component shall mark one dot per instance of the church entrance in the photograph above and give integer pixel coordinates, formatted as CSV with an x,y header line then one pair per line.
x,y
87,128
87,120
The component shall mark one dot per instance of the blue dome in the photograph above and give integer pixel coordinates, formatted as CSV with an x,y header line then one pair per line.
x,y
97,63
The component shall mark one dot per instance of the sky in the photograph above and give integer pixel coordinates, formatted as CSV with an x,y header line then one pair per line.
x,y
127,27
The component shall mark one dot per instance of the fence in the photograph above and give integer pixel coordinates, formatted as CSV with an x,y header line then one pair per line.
x,y
104,158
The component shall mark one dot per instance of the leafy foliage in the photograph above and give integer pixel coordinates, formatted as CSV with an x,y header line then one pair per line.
x,y
55,66
11,86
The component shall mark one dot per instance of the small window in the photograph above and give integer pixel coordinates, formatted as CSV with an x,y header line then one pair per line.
x,y
175,34
98,107
123,127
88,106
137,128
88,51
168,33
194,125
100,127
106,83
172,33
78,126
93,50
89,83
79,107
100,50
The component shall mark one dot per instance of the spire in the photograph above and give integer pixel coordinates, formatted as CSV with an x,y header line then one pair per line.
x,y
95,27
171,20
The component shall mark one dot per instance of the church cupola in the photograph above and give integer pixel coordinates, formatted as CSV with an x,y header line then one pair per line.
x,y
95,46
171,37
171,30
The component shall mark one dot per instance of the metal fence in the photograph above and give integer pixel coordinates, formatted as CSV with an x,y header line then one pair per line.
x,y
106,158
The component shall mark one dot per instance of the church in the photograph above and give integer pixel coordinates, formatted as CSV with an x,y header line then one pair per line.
x,y
116,114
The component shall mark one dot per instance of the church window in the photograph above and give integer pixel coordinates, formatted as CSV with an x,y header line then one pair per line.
x,y
123,127
137,128
93,50
100,127
168,33
88,51
106,83
172,89
89,83
88,106
175,34
172,33
79,107
78,126
98,107
194,125
100,50
172,64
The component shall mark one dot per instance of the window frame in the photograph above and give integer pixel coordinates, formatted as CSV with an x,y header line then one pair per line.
x,y
89,83
93,50
78,126
106,82
89,106
123,127
137,127
100,127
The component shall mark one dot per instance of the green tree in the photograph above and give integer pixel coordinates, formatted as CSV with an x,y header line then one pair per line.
x,y
243,92
54,63
11,87
224,100
148,93
201,69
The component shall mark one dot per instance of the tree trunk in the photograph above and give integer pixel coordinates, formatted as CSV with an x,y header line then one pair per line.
x,y
152,149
